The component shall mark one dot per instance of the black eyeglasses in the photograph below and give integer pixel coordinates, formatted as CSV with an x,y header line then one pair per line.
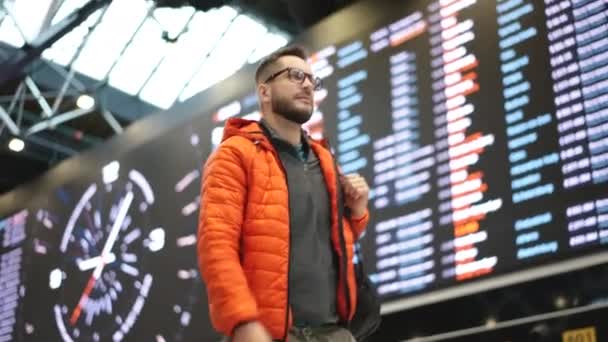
x,y
298,76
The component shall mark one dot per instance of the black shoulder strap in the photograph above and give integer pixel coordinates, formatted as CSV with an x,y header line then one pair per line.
x,y
359,268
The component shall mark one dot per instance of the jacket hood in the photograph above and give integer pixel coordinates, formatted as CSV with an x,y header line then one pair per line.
x,y
252,130
249,129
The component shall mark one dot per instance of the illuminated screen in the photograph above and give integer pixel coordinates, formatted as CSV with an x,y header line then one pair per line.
x,y
481,127
114,253
12,272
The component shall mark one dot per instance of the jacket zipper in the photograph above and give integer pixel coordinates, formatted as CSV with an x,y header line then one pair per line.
x,y
340,195
288,246
276,155
344,260
342,243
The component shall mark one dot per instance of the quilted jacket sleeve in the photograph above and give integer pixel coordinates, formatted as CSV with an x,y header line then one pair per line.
x,y
358,224
223,194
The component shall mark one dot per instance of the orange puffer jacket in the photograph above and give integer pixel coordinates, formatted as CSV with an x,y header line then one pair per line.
x,y
243,233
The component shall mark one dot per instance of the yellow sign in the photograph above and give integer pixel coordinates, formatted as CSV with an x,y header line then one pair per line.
x,y
580,335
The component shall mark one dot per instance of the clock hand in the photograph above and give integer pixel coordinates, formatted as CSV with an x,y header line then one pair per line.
x,y
83,300
91,263
122,213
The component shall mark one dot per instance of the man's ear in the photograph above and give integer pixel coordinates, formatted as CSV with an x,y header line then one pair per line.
x,y
264,92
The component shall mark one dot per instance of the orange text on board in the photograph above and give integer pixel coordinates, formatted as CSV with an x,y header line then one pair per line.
x,y
580,335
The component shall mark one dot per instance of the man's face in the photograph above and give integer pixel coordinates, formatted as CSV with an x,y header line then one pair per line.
x,y
289,98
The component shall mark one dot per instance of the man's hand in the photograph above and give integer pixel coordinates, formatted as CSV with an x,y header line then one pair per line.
x,y
356,193
251,332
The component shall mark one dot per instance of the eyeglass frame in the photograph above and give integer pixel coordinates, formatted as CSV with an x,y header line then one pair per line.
x,y
316,82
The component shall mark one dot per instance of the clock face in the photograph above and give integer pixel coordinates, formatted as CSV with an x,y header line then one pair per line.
x,y
103,277
116,252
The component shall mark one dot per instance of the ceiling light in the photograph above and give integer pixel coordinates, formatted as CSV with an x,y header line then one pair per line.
x,y
16,145
85,102
491,322
560,302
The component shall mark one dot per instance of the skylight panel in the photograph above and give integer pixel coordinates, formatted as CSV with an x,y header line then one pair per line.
x,y
231,53
67,7
30,19
108,40
9,33
64,50
185,56
270,43
139,59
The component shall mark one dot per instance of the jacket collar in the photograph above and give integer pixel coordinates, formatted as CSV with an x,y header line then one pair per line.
x,y
253,130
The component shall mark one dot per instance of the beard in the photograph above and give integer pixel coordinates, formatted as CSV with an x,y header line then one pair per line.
x,y
288,109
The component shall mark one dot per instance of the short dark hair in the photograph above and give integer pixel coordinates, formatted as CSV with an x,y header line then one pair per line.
x,y
266,64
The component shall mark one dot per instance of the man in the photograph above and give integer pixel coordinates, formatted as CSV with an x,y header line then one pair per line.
x,y
273,259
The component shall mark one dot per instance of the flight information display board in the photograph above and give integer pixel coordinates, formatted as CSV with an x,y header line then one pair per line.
x,y
481,127
12,272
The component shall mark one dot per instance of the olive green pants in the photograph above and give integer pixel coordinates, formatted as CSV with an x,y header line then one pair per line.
x,y
330,333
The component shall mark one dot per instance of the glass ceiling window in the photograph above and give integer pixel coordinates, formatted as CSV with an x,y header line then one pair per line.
x,y
110,37
64,50
231,53
268,44
9,33
140,58
184,57
159,55
67,8
148,48
30,19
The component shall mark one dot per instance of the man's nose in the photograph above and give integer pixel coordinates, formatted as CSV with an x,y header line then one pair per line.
x,y
307,84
